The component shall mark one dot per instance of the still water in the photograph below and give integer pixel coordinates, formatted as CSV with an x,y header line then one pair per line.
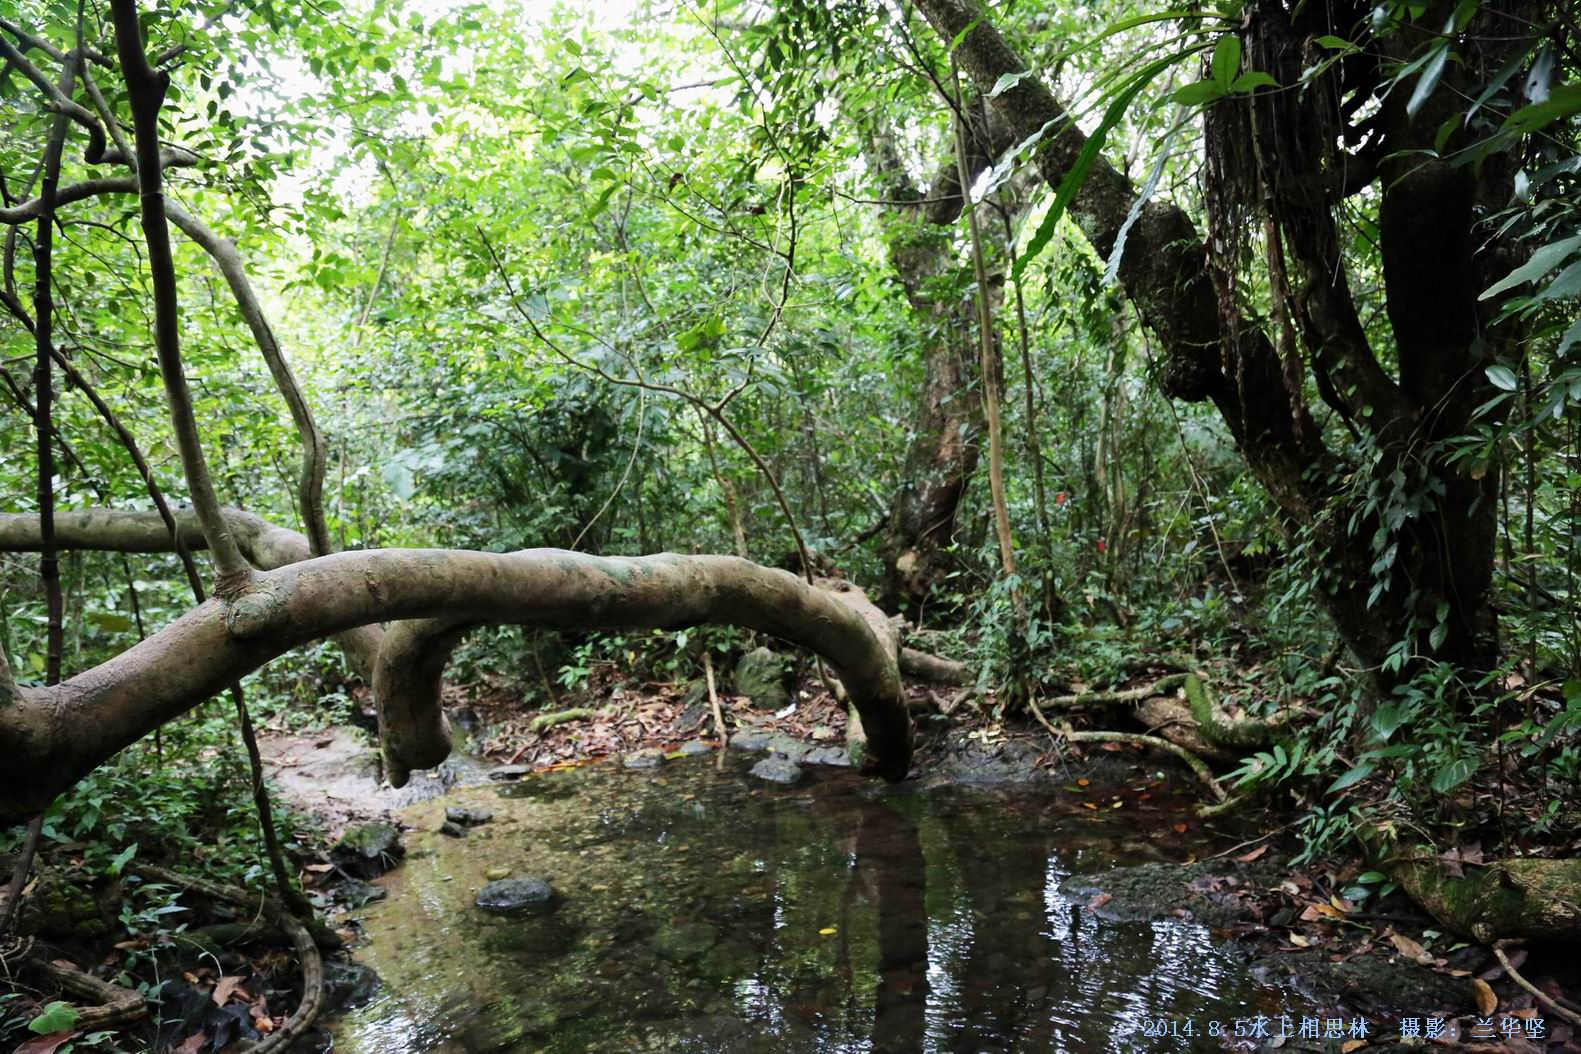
x,y
703,910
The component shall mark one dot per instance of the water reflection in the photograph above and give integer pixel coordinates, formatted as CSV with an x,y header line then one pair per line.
x,y
704,912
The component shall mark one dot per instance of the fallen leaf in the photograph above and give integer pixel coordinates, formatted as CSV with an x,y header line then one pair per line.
x,y
193,1044
1084,781
226,988
1299,941
1089,805
1318,912
319,869
1487,1002
1247,858
1099,901
1180,828
827,930
1409,948
46,1044
1351,1044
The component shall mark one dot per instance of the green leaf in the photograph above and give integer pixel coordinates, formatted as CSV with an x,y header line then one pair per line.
x,y
1355,775
1252,80
1084,161
1199,93
120,860
1371,878
56,1017
1453,774
1543,260
1334,43
109,620
1428,82
1226,59
1502,377
1008,81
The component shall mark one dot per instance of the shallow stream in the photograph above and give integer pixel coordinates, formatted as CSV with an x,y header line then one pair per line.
x,y
700,909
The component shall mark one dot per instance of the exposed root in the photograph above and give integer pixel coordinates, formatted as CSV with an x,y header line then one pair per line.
x,y
1081,700
935,668
307,1010
113,1006
544,722
1194,763
1523,897
1538,994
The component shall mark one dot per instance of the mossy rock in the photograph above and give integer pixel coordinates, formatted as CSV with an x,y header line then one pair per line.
x,y
765,677
62,907
368,851
1369,981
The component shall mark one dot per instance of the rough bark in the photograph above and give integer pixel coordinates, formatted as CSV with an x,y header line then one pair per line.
x,y
59,734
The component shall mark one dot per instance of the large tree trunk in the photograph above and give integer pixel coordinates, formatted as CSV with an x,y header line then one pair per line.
x,y
942,452
1443,538
53,736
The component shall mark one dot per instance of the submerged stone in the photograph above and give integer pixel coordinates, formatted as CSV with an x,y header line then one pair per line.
x,y
684,941
357,893
368,851
468,817
506,895
776,768
828,756
695,746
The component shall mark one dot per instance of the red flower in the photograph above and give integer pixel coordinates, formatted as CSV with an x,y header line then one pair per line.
x,y
1059,499
1103,546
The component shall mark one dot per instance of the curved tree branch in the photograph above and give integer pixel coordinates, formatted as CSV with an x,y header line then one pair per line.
x,y
56,735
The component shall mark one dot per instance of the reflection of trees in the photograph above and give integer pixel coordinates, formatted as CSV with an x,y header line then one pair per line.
x,y
889,856
1014,985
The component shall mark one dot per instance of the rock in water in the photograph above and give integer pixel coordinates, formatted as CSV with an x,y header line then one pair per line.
x,y
695,746
368,851
765,677
467,817
508,895
646,758
777,768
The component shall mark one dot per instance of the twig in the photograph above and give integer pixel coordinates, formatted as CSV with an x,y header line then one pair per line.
x,y
713,700
1536,993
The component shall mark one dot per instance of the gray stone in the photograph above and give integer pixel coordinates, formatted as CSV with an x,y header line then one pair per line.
x,y
750,741
357,893
828,756
452,829
695,746
368,851
790,746
764,677
529,893
467,817
646,758
776,768
506,773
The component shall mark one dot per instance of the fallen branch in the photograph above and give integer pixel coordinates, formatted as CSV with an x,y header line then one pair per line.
x,y
1080,700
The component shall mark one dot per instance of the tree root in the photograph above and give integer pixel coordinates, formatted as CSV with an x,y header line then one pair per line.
x,y
544,722
1543,998
1081,700
1220,728
935,668
312,964
113,1006
1198,767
